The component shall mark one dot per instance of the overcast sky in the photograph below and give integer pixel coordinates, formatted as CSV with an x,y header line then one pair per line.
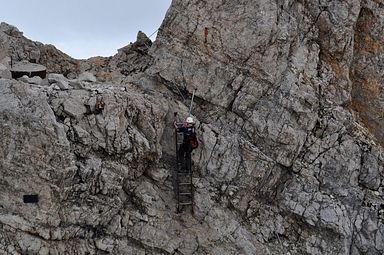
x,y
84,28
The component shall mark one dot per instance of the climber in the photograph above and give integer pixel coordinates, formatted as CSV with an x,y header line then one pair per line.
x,y
189,138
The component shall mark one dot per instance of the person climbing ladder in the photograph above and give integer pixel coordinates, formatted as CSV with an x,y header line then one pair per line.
x,y
188,144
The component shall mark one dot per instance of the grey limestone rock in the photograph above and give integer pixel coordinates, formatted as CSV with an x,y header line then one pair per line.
x,y
32,80
288,110
87,76
4,72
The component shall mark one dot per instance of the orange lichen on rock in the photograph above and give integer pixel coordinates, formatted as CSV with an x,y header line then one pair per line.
x,y
97,61
367,80
334,64
366,95
365,39
104,76
369,45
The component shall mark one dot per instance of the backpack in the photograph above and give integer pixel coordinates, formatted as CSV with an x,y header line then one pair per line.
x,y
194,143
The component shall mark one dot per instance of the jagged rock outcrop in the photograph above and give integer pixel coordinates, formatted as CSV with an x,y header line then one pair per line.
x,y
18,48
290,158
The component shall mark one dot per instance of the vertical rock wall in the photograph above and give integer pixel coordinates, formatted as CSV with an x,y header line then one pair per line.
x,y
288,109
281,78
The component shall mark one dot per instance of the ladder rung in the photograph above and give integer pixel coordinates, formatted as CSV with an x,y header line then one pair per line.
x,y
185,193
185,183
185,203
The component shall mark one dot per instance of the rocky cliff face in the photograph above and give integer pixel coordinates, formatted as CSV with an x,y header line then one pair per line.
x,y
289,110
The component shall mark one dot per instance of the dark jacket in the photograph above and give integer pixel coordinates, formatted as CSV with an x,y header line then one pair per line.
x,y
190,140
189,133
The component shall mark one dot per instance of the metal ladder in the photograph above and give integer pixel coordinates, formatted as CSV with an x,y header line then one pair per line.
x,y
183,176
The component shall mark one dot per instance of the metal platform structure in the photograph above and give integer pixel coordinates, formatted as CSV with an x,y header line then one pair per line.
x,y
21,68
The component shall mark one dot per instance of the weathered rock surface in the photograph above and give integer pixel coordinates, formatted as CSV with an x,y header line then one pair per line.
x,y
290,158
19,48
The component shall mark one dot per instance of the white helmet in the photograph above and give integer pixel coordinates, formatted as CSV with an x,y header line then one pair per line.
x,y
189,120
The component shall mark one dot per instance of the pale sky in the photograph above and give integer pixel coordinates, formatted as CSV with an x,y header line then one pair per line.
x,y
85,28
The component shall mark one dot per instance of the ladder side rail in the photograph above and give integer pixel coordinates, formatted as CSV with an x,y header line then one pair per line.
x,y
177,170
